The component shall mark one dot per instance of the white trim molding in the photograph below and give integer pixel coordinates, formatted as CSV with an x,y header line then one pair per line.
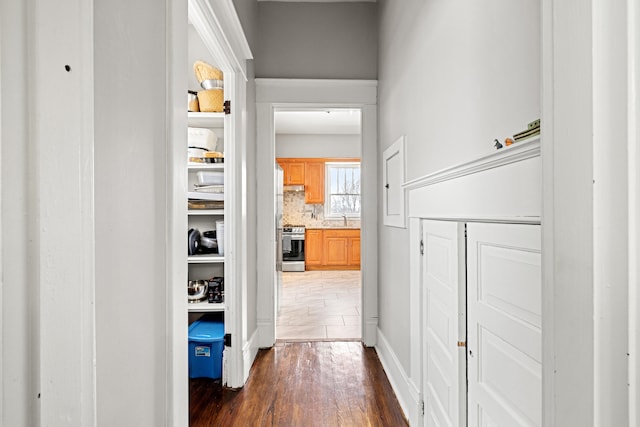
x,y
504,156
219,26
272,94
501,187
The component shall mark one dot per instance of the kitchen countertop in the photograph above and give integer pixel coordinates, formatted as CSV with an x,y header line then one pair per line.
x,y
333,227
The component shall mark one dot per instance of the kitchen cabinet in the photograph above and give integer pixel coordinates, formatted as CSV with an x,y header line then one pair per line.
x,y
332,249
314,182
309,172
292,172
313,247
206,265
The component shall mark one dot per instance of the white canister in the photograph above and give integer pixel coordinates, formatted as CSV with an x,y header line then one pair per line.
x,y
220,236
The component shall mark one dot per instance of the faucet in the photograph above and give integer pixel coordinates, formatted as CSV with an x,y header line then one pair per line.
x,y
344,217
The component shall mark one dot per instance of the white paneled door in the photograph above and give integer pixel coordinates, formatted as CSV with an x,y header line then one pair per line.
x,y
443,323
504,325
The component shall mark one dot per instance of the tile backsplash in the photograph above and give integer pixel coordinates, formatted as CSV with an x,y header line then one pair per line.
x,y
295,212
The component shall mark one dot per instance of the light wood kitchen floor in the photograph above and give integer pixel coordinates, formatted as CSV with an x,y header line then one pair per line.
x,y
319,305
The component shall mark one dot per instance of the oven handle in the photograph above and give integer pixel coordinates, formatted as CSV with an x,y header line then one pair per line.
x,y
296,236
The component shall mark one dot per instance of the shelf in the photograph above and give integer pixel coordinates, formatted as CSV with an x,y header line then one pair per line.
x,y
204,306
205,259
205,166
196,212
206,120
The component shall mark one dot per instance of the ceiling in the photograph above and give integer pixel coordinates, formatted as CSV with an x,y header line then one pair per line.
x,y
318,121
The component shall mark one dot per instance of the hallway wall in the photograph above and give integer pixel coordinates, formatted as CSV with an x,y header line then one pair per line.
x,y
316,40
248,15
452,78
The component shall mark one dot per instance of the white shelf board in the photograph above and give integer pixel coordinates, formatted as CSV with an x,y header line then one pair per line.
x,y
205,120
196,212
205,259
205,166
205,307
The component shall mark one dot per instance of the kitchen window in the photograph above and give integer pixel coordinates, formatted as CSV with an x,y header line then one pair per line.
x,y
342,190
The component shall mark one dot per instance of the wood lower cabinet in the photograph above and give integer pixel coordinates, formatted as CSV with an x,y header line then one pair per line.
x,y
353,256
332,249
313,247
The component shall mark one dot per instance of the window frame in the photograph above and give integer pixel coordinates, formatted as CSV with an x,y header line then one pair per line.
x,y
327,190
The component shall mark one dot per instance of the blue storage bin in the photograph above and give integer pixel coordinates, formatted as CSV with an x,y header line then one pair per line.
x,y
206,343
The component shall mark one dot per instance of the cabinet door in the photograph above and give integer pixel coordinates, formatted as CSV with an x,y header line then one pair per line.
x,y
335,250
313,247
293,173
443,323
354,251
314,182
504,303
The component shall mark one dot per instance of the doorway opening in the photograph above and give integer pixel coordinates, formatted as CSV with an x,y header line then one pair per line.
x,y
318,205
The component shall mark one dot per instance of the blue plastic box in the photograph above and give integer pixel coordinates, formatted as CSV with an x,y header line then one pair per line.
x,y
206,343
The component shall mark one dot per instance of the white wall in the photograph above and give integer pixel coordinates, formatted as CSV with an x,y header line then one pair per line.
x,y
19,285
452,78
289,145
132,142
248,14
316,40
197,51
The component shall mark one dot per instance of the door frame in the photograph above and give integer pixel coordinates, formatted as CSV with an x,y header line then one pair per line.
x,y
272,94
218,25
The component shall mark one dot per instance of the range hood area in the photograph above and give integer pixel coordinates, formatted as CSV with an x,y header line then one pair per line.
x,y
294,188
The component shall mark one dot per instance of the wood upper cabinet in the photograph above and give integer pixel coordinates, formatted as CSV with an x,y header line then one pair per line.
x,y
313,247
314,182
310,173
292,172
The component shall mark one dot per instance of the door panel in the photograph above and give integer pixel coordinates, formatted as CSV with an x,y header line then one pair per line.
x,y
443,324
335,250
504,324
314,182
354,251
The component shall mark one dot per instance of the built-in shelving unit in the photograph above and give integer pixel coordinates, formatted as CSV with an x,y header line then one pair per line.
x,y
206,266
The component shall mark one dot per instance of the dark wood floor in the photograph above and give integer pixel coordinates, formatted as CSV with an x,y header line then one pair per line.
x,y
302,384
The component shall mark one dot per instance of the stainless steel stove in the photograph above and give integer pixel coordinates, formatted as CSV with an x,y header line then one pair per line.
x,y
293,247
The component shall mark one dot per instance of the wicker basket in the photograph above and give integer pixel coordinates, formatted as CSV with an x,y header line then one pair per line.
x,y
211,100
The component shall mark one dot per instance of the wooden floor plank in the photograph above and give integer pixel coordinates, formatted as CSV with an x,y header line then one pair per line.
x,y
303,384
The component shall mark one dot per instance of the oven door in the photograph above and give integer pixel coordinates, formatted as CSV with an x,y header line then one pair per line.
x,y
292,247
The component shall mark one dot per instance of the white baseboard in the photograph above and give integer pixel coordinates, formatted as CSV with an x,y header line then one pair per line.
x,y
407,393
266,334
370,332
249,353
